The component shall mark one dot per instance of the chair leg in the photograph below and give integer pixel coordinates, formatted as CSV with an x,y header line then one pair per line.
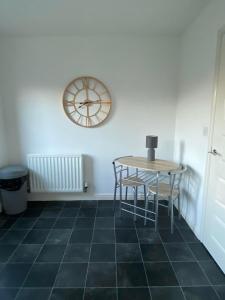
x,y
171,213
179,214
146,205
120,199
156,211
126,193
169,207
135,202
153,203
114,197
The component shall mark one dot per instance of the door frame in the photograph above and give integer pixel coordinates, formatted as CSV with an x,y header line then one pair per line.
x,y
220,35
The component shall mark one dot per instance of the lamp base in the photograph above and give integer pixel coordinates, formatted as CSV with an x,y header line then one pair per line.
x,y
151,154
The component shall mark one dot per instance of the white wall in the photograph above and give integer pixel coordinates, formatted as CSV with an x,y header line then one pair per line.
x,y
141,74
198,53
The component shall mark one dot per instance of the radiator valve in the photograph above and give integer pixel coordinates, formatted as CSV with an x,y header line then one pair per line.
x,y
85,187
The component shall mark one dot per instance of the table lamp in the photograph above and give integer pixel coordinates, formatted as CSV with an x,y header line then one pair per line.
x,y
151,144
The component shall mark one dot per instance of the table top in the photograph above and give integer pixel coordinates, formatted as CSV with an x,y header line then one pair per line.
x,y
143,163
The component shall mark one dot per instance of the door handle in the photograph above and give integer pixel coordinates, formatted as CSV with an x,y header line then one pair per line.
x,y
213,152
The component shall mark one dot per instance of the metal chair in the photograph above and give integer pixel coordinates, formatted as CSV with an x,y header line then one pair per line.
x,y
127,181
170,191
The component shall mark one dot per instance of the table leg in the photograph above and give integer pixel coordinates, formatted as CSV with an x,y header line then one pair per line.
x,y
135,202
156,202
146,204
120,193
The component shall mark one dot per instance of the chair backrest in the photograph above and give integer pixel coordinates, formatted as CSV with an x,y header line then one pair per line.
x,y
118,169
176,176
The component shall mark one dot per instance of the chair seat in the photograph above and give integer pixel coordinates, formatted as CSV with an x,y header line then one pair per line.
x,y
132,181
164,190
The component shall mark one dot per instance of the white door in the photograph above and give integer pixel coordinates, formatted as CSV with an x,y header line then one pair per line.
x,y
214,231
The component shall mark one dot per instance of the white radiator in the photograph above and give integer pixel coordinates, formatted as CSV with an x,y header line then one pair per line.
x,y
56,173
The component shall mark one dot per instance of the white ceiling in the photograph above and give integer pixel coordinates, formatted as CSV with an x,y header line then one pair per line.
x,y
79,17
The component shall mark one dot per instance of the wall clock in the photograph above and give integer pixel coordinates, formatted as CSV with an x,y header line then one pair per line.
x,y
87,101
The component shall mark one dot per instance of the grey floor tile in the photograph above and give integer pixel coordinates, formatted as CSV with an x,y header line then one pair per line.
x,y
33,294
26,253
189,274
213,272
77,253
200,293
168,237
100,294
67,294
71,275
133,294
51,253
148,236
36,236
104,236
104,223
161,274
84,223
179,252
75,204
128,253
106,203
153,252
59,236
14,236
6,251
87,212
89,204
189,236
8,293
42,275
64,223
24,223
101,275
125,223
105,212
102,253
50,212
126,236
69,212
199,251
131,275
44,223
81,236
220,289
168,293
13,275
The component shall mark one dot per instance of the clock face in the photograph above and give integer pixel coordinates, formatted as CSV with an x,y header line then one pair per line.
x,y
87,101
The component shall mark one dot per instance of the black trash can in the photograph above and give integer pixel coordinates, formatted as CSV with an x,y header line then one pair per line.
x,y
13,186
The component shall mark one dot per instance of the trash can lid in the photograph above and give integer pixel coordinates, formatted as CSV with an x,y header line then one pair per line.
x,y
13,171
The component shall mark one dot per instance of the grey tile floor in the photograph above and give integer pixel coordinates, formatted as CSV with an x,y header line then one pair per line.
x,y
83,250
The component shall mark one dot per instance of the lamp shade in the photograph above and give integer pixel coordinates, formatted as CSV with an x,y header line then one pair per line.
x,y
151,141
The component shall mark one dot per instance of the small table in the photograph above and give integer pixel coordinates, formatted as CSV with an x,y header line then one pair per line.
x,y
155,167
144,164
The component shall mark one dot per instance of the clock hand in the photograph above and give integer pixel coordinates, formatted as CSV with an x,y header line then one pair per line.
x,y
83,103
96,101
101,101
